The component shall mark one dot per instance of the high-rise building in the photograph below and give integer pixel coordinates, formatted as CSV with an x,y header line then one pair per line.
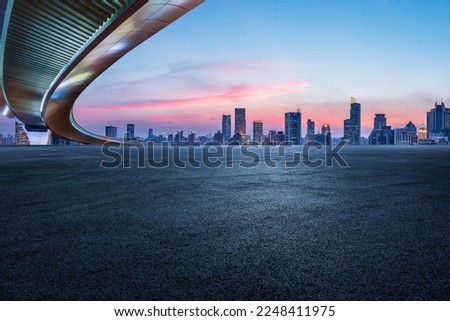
x,y
191,138
281,137
379,121
326,129
258,135
381,133
438,120
111,131
322,137
310,127
273,137
9,140
447,121
348,130
326,132
352,125
178,137
293,127
226,128
21,135
150,134
239,121
130,132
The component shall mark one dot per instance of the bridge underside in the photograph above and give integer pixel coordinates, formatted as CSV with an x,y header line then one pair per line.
x,y
52,50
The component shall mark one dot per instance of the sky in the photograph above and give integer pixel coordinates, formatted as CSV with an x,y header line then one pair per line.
x,y
273,57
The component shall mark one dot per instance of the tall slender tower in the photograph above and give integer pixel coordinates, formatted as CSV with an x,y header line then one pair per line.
x,y
226,128
293,127
258,135
310,127
239,121
352,125
130,132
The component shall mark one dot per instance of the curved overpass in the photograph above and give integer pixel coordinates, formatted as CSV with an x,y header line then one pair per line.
x,y
52,50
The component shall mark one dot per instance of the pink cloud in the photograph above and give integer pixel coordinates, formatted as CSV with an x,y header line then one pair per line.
x,y
188,112
233,94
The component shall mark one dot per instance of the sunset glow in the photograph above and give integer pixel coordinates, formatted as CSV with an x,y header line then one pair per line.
x,y
274,58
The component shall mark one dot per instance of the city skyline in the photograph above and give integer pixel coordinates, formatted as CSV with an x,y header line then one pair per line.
x,y
351,134
381,134
274,59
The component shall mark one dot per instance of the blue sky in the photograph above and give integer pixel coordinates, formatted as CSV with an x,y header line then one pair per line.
x,y
277,56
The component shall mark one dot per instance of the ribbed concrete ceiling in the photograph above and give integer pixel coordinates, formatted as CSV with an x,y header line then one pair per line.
x,y
41,40
52,50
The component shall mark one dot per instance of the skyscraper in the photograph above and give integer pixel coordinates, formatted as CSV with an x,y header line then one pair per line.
x,y
179,137
438,120
21,135
379,121
9,140
273,137
239,121
111,131
258,135
352,125
150,134
191,137
310,127
326,129
447,121
226,128
381,133
130,132
293,127
326,132
281,137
